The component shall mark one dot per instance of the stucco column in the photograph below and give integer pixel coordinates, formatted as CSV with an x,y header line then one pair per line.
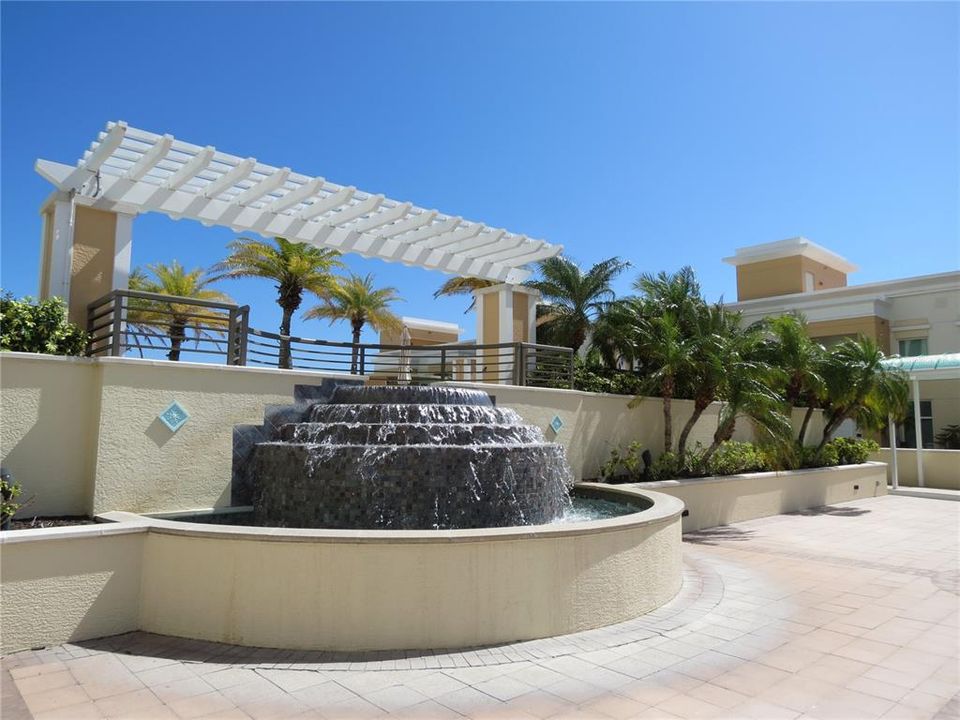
x,y
85,253
505,314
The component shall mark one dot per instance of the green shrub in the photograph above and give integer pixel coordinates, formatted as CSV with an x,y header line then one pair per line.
x,y
594,378
42,327
627,462
733,458
669,467
8,499
853,451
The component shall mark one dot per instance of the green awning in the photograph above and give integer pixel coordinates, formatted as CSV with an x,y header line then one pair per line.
x,y
945,365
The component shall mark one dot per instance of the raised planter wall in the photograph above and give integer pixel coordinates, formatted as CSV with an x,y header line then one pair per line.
x,y
714,501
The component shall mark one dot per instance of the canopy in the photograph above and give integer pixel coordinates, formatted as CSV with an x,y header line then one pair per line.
x,y
134,171
945,366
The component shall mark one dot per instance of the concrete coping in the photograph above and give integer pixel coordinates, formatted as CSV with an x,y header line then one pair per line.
x,y
680,482
663,509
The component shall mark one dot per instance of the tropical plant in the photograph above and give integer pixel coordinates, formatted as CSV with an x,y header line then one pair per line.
x,y
9,492
790,348
712,330
39,327
857,386
175,320
853,451
661,342
949,437
296,268
574,300
627,462
746,390
463,286
733,458
356,300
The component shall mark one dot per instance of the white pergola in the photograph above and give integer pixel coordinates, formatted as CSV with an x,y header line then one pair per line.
x,y
132,171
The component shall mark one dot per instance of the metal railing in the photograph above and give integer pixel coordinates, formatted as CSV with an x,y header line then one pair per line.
x,y
147,324
131,322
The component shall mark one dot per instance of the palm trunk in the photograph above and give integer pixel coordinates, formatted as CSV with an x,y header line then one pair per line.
x,y
178,333
723,433
667,392
698,408
355,350
803,426
284,360
832,424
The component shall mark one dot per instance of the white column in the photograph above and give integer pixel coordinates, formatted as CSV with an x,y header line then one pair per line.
x,y
122,251
61,252
918,429
505,308
532,317
892,430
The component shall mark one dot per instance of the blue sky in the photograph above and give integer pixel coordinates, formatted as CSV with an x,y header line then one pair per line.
x,y
668,134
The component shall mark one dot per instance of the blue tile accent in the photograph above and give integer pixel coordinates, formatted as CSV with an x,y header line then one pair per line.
x,y
556,424
175,416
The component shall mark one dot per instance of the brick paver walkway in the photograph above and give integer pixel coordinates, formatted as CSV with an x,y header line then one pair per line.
x,y
848,611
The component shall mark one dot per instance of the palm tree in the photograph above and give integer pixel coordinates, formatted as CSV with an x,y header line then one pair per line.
x,y
575,299
296,267
355,299
746,390
464,286
857,386
677,292
662,344
175,319
714,330
790,347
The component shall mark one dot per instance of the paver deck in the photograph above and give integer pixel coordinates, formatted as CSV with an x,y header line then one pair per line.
x,y
848,611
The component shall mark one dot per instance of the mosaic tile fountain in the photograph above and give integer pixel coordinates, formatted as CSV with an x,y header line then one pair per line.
x,y
408,458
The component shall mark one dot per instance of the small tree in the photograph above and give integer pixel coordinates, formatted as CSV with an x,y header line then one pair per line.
x,y
296,267
39,327
857,386
176,320
357,301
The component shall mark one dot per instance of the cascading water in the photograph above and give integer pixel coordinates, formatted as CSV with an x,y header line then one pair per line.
x,y
409,458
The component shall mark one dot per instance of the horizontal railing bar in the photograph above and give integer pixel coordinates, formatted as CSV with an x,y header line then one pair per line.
x,y
162,298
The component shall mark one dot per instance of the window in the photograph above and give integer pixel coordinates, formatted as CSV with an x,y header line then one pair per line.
x,y
912,347
908,431
808,282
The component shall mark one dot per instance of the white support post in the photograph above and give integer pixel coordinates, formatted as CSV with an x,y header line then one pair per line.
x,y
918,429
122,252
61,254
894,473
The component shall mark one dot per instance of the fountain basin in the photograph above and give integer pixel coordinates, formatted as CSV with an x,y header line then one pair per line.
x,y
354,590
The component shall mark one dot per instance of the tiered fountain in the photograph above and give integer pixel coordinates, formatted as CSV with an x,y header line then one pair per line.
x,y
409,458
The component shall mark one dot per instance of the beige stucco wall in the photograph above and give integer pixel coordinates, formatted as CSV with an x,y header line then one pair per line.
x,y
48,429
824,276
113,453
67,584
870,326
941,468
723,500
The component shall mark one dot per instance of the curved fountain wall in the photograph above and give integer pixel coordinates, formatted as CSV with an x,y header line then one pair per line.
x,y
409,458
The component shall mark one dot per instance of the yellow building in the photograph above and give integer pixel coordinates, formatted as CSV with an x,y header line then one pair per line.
x,y
907,317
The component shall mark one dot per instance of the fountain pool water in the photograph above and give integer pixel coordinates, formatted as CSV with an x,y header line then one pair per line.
x,y
409,458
